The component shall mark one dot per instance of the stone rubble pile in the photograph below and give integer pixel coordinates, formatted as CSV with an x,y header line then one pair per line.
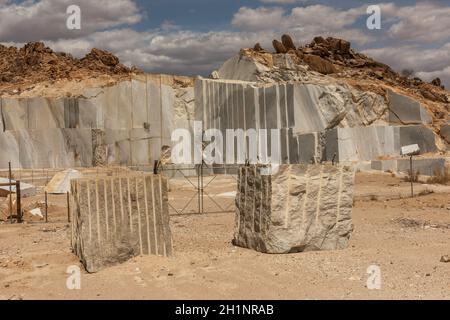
x,y
35,63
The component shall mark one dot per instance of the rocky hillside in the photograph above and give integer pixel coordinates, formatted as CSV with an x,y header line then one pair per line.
x,y
332,61
22,69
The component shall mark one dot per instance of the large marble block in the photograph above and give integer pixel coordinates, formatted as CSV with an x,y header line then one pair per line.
x,y
404,110
117,218
299,208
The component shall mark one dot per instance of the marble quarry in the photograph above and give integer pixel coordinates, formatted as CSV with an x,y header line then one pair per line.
x,y
130,122
300,208
428,166
124,124
116,218
317,122
404,110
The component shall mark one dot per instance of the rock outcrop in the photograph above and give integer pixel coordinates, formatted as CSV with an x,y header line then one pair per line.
x,y
34,63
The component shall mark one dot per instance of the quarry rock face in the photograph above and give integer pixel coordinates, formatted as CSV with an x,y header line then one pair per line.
x,y
127,123
404,110
117,218
299,208
445,132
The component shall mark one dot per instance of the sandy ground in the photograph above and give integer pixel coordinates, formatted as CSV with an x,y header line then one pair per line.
x,y
405,237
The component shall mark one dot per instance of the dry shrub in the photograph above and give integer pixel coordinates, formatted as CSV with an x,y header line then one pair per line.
x,y
414,177
440,176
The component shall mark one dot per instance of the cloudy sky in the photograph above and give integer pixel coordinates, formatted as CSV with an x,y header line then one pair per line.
x,y
196,36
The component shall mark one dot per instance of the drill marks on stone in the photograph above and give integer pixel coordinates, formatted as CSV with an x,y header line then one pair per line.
x,y
301,208
105,196
165,218
129,204
97,209
319,197
150,214
147,219
122,213
154,213
338,209
254,199
288,202
138,216
161,216
89,210
113,202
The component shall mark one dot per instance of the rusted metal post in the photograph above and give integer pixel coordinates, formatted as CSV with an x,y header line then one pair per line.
x,y
68,207
46,207
411,178
10,192
18,204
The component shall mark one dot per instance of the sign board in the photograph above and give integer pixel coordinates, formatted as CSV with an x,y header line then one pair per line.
x,y
410,150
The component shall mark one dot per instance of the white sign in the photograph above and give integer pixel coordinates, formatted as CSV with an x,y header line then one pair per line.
x,y
410,150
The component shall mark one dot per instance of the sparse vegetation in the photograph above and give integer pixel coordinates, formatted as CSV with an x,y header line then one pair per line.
x,y
440,176
412,177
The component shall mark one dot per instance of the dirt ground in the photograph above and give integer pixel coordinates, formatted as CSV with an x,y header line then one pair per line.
x,y
405,237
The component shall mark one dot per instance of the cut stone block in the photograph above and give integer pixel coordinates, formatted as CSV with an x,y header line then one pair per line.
x,y
116,218
26,190
426,167
60,183
299,208
445,132
404,110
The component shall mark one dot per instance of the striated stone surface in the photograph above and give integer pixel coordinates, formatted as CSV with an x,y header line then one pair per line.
x,y
300,208
404,110
124,124
445,132
117,218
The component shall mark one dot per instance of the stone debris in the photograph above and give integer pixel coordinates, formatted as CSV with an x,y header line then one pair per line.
x,y
117,218
36,212
299,208
60,183
26,189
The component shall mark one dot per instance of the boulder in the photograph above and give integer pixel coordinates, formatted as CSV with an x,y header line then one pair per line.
x,y
319,64
299,208
287,42
258,47
279,47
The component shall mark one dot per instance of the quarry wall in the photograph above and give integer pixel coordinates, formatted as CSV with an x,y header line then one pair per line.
x,y
124,124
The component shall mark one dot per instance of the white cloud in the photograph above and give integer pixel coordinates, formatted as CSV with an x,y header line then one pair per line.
x,y
304,23
426,21
427,63
170,49
46,19
258,19
282,1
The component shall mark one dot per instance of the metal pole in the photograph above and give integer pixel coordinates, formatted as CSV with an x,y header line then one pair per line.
x,y
10,193
201,186
198,188
46,208
411,175
18,204
68,207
